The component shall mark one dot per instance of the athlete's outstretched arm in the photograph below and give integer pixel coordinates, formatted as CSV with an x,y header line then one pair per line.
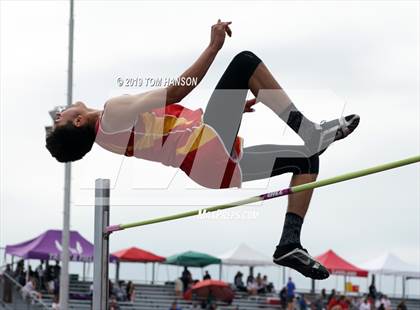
x,y
199,68
121,112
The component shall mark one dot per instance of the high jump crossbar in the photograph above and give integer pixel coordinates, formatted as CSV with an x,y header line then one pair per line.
x,y
271,195
103,230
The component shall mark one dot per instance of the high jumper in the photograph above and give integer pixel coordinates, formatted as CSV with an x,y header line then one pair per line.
x,y
154,126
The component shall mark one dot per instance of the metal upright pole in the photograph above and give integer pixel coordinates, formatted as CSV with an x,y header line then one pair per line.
x,y
64,275
153,272
101,243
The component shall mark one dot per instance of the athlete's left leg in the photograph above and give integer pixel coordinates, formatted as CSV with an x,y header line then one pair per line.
x,y
257,163
317,137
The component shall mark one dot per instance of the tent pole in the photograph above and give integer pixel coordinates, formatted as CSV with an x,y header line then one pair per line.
x,y
395,284
345,284
153,272
284,276
117,271
145,272
403,286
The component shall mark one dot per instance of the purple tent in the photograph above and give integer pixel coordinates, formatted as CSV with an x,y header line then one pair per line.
x,y
48,246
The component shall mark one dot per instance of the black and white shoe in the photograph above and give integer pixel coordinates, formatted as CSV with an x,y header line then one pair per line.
x,y
299,260
332,131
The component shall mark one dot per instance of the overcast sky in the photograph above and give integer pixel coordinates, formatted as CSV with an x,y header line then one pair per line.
x,y
331,57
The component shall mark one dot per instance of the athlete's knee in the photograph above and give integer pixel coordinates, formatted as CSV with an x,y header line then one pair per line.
x,y
308,165
246,58
313,164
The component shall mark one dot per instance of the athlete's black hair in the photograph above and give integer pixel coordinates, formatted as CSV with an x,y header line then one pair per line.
x,y
70,143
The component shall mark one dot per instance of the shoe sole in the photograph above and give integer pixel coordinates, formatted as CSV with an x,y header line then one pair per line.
x,y
308,270
352,127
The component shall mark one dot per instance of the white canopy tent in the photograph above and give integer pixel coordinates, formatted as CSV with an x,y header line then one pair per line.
x,y
243,255
390,264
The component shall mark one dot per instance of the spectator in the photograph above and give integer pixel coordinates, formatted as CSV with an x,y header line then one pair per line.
x,y
207,275
239,283
250,278
318,303
195,306
55,304
7,288
268,285
290,294
130,291
174,306
110,288
40,276
19,273
31,273
252,286
372,289
49,272
28,291
355,302
333,301
260,284
324,295
118,292
113,304
302,303
186,278
378,301
332,295
343,303
56,286
283,297
401,305
179,288
386,302
365,304
56,269
213,306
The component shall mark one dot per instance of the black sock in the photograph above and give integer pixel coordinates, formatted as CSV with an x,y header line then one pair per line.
x,y
298,122
291,230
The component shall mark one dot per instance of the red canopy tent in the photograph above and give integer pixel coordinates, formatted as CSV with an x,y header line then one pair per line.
x,y
136,255
337,265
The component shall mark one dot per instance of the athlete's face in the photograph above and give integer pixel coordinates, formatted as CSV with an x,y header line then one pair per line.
x,y
76,113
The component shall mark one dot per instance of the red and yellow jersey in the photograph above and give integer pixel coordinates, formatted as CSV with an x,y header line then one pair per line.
x,y
177,136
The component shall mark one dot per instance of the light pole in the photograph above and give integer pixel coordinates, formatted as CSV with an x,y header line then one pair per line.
x,y
64,275
65,237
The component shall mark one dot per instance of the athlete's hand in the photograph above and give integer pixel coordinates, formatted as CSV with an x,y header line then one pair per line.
x,y
248,105
218,34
